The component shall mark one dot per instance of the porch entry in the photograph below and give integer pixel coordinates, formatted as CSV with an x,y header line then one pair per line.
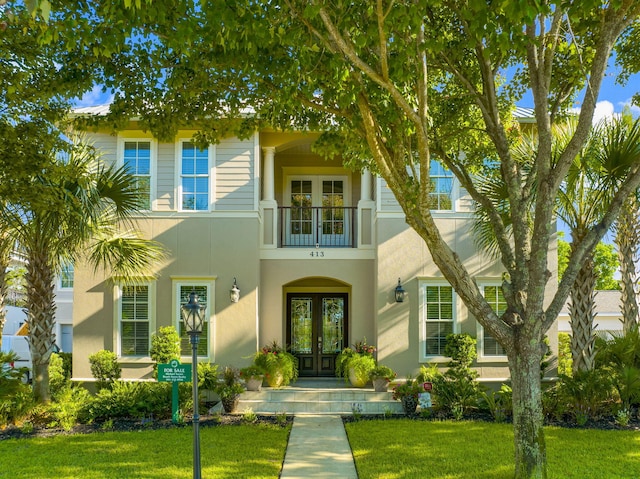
x,y
317,330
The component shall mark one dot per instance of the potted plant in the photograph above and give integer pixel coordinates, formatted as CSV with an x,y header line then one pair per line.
x,y
280,367
355,364
407,393
253,377
229,388
381,376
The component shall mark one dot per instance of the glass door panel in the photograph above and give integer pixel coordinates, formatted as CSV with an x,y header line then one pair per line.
x,y
316,330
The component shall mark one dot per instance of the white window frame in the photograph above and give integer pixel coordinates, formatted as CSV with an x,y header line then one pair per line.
x,y
153,170
187,283
454,184
118,321
422,298
482,357
211,152
66,269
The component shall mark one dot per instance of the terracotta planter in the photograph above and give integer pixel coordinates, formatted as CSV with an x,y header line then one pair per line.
x,y
357,381
254,383
380,385
230,403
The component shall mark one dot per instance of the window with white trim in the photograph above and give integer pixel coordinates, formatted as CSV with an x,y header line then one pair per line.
x,y
134,320
137,161
441,194
438,318
204,293
66,276
194,177
495,297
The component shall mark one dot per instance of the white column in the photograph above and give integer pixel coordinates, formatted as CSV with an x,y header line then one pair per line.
x,y
268,186
365,185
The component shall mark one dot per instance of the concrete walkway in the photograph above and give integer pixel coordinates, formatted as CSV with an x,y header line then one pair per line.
x,y
318,448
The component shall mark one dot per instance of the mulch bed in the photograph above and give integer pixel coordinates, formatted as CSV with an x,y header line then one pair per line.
x,y
123,425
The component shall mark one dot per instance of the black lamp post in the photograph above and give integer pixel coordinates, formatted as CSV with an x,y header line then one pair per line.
x,y
193,317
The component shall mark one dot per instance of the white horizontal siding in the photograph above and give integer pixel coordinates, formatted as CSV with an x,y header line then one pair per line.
x,y
235,186
106,144
166,177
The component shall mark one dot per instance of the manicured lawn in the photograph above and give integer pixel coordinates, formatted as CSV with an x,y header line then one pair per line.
x,y
403,449
246,451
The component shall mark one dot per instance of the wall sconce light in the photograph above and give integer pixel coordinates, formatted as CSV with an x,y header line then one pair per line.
x,y
234,294
399,292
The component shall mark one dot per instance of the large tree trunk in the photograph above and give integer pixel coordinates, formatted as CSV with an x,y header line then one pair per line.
x,y
5,257
628,239
40,317
582,314
528,434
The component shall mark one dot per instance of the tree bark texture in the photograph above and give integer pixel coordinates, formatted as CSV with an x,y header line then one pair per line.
x,y
40,318
582,314
628,240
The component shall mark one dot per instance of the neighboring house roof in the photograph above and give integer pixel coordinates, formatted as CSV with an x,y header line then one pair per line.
x,y
524,115
92,110
607,303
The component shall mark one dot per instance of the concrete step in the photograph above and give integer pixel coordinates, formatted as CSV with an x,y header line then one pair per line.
x,y
319,398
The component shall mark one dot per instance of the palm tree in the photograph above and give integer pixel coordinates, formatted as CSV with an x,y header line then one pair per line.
x,y
627,240
611,150
5,256
89,207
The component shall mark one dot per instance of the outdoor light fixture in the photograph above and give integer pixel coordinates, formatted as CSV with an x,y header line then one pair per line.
x,y
193,317
235,292
399,292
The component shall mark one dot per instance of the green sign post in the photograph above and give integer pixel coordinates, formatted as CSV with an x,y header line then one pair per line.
x,y
174,373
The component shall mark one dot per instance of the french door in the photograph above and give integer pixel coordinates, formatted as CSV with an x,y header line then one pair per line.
x,y
317,211
317,330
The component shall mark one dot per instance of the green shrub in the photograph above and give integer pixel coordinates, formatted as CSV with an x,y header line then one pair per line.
x,y
461,348
207,376
134,400
565,362
69,407
104,368
165,346
58,380
586,395
498,403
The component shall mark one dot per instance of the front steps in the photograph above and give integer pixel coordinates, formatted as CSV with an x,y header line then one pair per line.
x,y
319,396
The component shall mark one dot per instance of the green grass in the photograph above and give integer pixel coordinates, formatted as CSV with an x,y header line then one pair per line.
x,y
246,451
402,449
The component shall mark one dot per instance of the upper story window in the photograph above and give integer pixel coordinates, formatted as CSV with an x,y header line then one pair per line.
x,y
441,195
438,304
495,298
194,177
137,161
66,276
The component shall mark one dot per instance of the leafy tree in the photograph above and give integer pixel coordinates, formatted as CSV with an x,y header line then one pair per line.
x,y
605,263
412,79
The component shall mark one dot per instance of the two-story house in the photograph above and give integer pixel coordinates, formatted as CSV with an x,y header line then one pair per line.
x,y
317,251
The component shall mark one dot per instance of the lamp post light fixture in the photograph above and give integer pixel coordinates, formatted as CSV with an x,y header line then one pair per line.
x,y
193,317
399,292
234,294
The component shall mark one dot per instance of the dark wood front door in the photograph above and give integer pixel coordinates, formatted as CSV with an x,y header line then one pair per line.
x,y
316,330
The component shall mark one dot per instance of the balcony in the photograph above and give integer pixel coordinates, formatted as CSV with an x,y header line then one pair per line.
x,y
321,227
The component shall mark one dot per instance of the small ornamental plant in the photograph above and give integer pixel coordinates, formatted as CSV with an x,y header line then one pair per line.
x,y
382,372
280,367
250,372
409,388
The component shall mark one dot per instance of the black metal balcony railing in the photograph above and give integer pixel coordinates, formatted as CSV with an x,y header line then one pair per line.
x,y
316,227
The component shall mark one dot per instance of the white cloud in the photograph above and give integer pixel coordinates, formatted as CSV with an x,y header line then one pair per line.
x,y
94,97
635,109
604,110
